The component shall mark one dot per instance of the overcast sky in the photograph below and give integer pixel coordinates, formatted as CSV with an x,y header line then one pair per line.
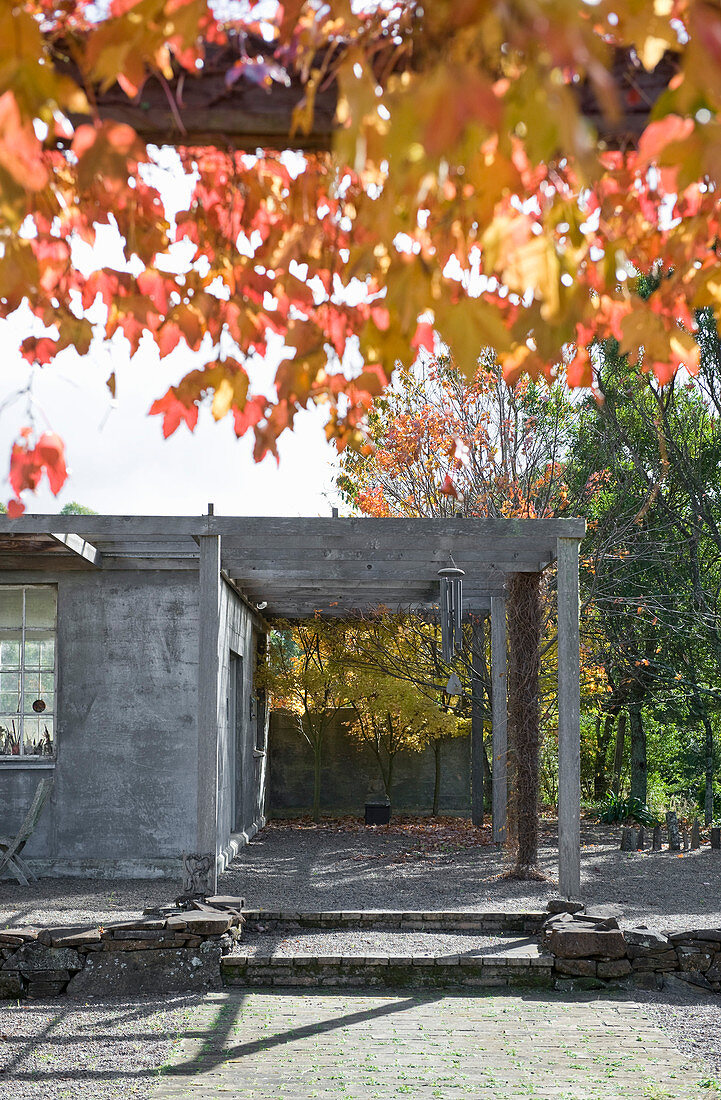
x,y
119,461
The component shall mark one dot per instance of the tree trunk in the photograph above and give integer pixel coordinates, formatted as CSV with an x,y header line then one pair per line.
x,y
603,740
389,773
317,761
524,631
437,777
639,764
618,754
708,753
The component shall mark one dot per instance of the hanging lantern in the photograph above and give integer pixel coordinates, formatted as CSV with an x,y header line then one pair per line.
x,y
451,611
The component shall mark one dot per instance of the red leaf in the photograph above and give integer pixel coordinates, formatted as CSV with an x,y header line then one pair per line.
x,y
424,337
448,488
174,412
50,449
15,508
27,464
250,415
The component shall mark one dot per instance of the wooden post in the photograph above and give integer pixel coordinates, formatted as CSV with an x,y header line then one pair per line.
x,y
499,710
569,721
478,660
208,661
696,833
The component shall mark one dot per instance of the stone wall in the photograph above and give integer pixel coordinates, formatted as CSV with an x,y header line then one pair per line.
x,y
349,770
590,949
166,951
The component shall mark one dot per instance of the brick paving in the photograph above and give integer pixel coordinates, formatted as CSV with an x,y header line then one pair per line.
x,y
287,1045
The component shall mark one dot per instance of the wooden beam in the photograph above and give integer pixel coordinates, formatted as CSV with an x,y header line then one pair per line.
x,y
208,699
206,108
499,709
478,662
355,532
79,546
569,721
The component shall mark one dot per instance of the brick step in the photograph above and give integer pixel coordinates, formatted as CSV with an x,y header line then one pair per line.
x,y
518,968
436,920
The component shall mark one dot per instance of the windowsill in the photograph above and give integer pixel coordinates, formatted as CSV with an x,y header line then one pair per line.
x,y
10,763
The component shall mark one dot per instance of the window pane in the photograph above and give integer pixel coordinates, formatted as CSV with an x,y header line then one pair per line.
x,y
47,653
31,689
38,739
37,703
10,651
9,739
11,607
31,657
47,684
40,607
10,681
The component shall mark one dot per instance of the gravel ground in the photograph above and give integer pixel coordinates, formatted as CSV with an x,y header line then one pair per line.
x,y
411,865
59,1050
691,1019
376,943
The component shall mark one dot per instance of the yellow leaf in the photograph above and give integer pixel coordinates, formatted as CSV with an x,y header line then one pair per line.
x,y
222,399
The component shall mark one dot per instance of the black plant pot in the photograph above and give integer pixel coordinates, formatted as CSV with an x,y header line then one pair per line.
x,y
378,813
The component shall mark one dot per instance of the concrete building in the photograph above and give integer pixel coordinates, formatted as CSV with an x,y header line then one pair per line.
x,y
128,651
110,680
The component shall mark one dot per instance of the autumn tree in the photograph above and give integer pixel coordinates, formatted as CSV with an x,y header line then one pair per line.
x,y
441,443
391,716
304,675
493,173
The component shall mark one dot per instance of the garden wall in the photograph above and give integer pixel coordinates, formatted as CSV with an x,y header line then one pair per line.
x,y
349,770
174,951
591,949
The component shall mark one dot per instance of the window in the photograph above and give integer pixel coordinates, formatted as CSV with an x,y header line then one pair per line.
x,y
27,670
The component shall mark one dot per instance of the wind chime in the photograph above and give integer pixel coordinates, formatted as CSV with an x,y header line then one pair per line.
x,y
451,620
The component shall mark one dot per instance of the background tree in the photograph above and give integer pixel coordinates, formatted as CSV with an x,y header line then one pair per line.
x,y
305,676
440,444
651,576
391,716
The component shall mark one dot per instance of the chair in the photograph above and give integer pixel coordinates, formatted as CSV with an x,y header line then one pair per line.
x,y
11,847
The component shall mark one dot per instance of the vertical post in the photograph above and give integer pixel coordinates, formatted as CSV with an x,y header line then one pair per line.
x,y
478,660
499,711
569,721
208,669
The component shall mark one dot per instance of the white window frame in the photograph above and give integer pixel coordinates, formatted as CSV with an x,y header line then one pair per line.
x,y
32,758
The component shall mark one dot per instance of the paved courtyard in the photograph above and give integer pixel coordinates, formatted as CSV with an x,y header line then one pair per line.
x,y
273,1045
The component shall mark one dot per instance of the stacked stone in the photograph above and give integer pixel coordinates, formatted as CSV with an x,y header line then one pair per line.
x,y
591,948
162,951
584,945
699,956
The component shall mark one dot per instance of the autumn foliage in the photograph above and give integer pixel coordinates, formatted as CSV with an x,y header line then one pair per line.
x,y
466,198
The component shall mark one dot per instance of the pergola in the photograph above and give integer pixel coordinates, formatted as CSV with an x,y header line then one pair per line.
x,y
301,568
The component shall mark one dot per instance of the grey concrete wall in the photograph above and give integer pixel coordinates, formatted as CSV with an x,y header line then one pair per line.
x,y
349,770
124,800
241,767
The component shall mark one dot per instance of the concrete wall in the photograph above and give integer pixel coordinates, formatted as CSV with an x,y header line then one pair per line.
x,y
349,770
124,799
241,766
